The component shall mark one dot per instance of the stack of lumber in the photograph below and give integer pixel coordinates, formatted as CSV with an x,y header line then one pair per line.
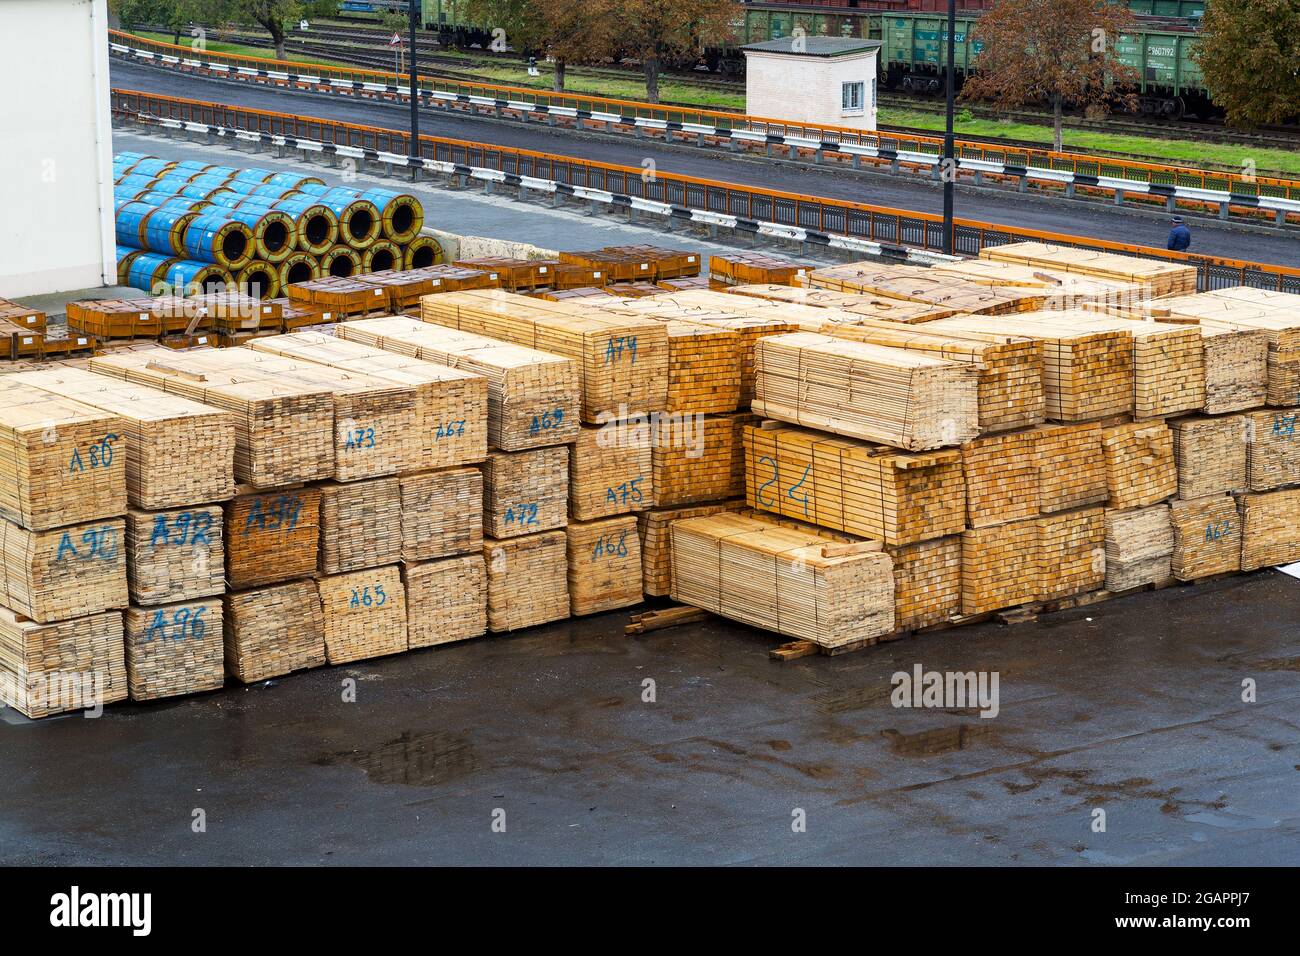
x,y
229,310
1273,455
283,427
918,284
698,459
68,665
786,580
686,284
1168,359
449,278
533,396
1087,370
175,555
446,600
622,360
1140,467
1064,290
64,572
176,451
403,290
600,296
847,307
745,268
1158,278
450,403
273,631
611,472
1207,537
58,463
527,581
1270,528
604,561
510,273
18,343
364,614
704,367
360,524
1000,566
1071,469
1139,547
1071,552
271,536
896,397
525,492
871,491
115,318
442,513
927,582
297,315
1002,478
340,295
174,649
658,262
654,528
1210,453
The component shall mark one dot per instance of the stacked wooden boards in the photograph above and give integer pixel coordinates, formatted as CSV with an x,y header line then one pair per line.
x,y
1270,528
1064,290
1139,547
1210,454
1157,277
743,268
1207,537
604,564
698,458
655,530
533,396
611,471
918,284
847,307
527,580
63,666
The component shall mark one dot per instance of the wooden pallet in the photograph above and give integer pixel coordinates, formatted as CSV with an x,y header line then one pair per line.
x,y
64,666
611,472
661,618
699,459
446,600
273,631
360,525
63,573
442,514
527,580
174,649
176,555
525,492
271,536
364,614
604,565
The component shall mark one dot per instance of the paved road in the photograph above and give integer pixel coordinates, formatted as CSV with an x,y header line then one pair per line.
x,y
1097,221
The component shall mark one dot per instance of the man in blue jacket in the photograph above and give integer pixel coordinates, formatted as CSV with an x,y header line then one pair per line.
x,y
1180,237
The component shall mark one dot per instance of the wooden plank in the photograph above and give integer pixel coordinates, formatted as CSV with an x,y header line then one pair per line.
x,y
533,396
63,573
527,580
1207,537
611,472
872,491
271,536
699,459
604,564
1273,455
273,631
364,614
65,666
525,492
446,600
653,528
1140,467
1270,528
360,525
1210,453
891,396
1139,547
442,514
176,555
780,579
174,649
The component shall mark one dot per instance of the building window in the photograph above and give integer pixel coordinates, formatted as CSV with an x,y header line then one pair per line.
x,y
851,97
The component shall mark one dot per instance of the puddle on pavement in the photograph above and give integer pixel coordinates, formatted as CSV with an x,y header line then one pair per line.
x,y
940,740
413,759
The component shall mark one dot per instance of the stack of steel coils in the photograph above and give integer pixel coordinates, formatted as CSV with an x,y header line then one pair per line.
x,y
191,226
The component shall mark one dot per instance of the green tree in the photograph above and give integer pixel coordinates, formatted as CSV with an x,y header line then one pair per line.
x,y
271,15
656,30
566,31
1249,53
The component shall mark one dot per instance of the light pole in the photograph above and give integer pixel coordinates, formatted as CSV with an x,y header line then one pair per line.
x,y
949,166
415,90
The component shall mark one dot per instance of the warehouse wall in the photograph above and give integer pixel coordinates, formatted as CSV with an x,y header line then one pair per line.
x,y
56,201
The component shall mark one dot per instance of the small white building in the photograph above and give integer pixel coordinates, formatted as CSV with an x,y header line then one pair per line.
x,y
807,79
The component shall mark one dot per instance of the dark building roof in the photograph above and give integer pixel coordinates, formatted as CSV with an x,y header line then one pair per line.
x,y
815,46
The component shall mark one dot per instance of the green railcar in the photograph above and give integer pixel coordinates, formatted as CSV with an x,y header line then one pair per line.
x,y
1170,82
1184,9
914,50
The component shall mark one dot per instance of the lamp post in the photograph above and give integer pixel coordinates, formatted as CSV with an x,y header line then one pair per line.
x,y
949,168
415,90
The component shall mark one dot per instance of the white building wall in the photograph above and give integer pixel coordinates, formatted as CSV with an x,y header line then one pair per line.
x,y
806,89
56,193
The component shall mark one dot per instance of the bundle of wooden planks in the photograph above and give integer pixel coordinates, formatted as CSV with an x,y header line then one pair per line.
x,y
1210,453
1071,468
1140,467
364,614
654,529
360,524
604,562
451,278
622,360
786,580
115,318
1139,547
1064,290
704,368
1270,528
743,268
273,631
1207,537
1000,566
283,428
927,581
896,397
871,491
271,536
611,472
509,272
442,513
1158,278
175,555
446,600
450,403
1087,370
64,666
527,580
230,310
525,492
698,458
918,284
1002,478
846,307
1273,453
58,462
341,295
659,262
64,572
402,290
174,649
1071,552
533,396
